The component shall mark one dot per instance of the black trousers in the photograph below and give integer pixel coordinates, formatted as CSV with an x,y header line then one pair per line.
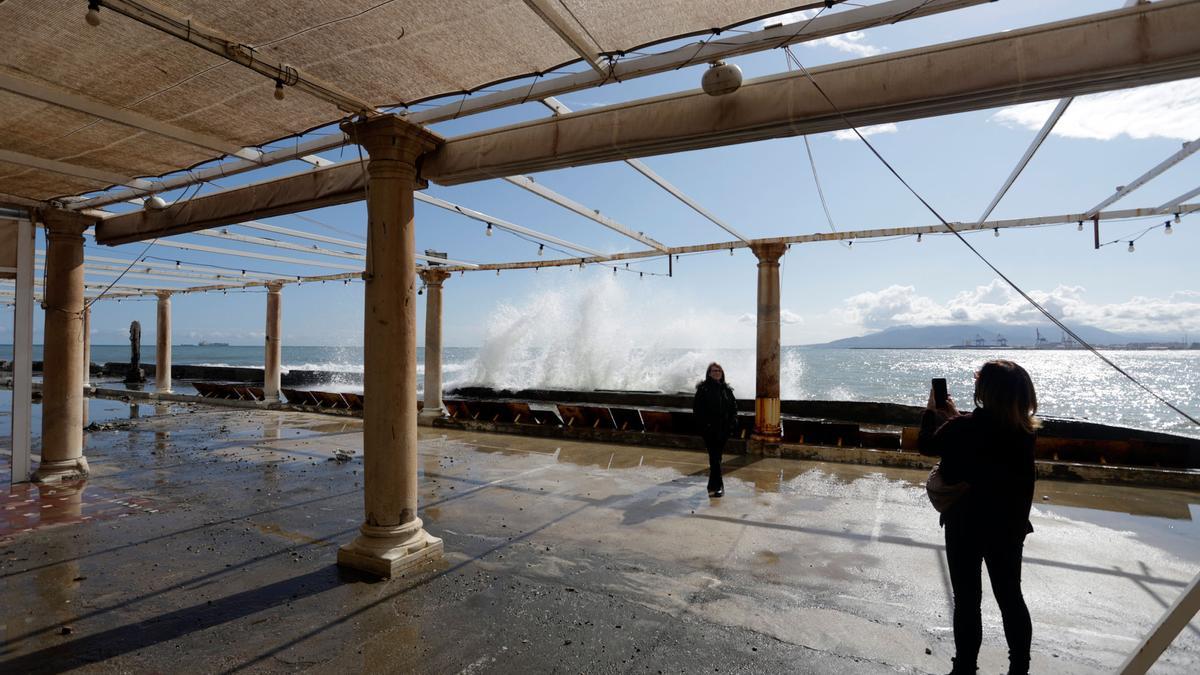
x,y
716,446
966,551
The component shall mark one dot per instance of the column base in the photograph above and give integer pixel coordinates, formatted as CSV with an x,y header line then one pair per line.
x,y
390,551
61,470
428,414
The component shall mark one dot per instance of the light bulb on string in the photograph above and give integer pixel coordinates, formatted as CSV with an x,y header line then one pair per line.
x,y
1167,228
1079,227
93,13
541,249
918,238
731,252
1176,218
489,230
278,90
996,231
1131,247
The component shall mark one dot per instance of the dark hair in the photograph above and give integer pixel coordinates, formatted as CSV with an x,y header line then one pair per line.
x,y
722,381
1005,390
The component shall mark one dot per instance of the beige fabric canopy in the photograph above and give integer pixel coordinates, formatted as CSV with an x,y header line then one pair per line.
x,y
385,53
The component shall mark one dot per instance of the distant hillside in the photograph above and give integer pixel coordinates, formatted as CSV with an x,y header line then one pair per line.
x,y
954,335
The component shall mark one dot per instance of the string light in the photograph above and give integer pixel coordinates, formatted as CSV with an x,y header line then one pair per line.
x,y
1131,247
278,90
1079,227
497,272
93,13
996,231
731,251
489,230
1176,218
918,238
541,249
1167,228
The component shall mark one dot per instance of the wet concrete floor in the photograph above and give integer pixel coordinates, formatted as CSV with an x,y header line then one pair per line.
x,y
205,542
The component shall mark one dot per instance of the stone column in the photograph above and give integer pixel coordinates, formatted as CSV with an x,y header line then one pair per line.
x,y
433,279
273,357
87,345
62,369
766,382
162,344
392,538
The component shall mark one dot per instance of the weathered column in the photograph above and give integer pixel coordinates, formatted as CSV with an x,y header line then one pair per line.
x,y
273,357
392,538
62,369
87,345
162,345
433,279
766,382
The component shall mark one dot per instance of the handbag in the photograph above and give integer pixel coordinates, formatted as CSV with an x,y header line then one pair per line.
x,y
943,495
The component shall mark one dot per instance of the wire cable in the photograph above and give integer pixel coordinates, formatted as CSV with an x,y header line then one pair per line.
x,y
1036,305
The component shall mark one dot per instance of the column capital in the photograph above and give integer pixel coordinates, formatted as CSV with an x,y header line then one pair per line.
x,y
274,286
433,276
390,137
768,252
62,223
164,295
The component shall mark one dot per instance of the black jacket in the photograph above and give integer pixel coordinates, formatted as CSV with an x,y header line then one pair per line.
x,y
715,409
995,461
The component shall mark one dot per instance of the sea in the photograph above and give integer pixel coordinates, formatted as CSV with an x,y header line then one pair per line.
x,y
1070,384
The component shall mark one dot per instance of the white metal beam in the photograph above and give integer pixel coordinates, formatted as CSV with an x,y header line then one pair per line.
x,y
1187,151
560,108
591,214
105,178
1052,120
502,224
1181,198
854,235
123,116
257,256
1172,623
164,268
569,34
224,233
264,227
626,69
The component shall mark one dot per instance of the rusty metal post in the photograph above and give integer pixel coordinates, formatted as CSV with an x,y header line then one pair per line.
x,y
433,279
766,382
62,381
392,538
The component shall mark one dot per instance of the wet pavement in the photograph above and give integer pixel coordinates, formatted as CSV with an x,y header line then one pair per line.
x,y
205,542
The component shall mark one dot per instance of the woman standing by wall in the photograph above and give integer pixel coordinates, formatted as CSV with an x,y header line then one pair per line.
x,y
991,450
715,410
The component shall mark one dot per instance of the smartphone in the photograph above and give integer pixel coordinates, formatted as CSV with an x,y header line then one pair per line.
x,y
939,392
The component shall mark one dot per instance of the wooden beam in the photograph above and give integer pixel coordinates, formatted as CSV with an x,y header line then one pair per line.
x,y
1140,45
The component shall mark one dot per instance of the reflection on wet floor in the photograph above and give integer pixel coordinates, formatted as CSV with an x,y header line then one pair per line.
x,y
802,560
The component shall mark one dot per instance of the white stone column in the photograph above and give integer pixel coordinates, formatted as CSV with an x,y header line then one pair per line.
x,y
433,279
162,344
392,538
62,364
273,358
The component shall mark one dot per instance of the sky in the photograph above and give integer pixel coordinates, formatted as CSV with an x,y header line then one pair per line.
x,y
765,189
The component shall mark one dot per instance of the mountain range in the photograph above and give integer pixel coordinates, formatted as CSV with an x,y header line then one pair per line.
x,y
959,334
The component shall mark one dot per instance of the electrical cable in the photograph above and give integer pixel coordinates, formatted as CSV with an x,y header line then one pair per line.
x,y
1036,305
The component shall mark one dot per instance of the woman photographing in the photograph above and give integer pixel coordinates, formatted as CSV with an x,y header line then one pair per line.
x,y
990,450
715,411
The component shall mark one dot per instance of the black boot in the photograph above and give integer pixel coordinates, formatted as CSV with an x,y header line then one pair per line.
x,y
962,668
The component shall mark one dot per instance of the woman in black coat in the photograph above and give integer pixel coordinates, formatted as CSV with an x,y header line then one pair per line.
x,y
715,412
991,450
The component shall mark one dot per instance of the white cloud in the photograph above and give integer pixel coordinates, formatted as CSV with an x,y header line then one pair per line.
x,y
1170,110
996,302
848,135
